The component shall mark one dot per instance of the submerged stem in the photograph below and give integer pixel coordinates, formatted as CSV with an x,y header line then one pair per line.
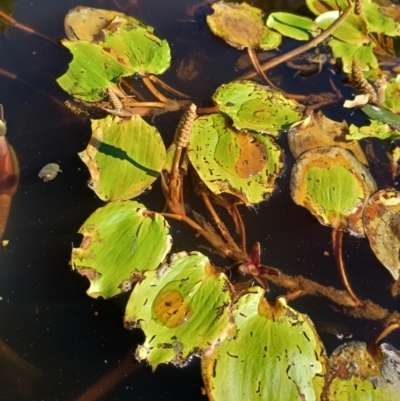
x,y
167,87
337,236
254,60
14,23
154,91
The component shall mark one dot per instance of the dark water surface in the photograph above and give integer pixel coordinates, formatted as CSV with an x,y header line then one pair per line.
x,y
68,340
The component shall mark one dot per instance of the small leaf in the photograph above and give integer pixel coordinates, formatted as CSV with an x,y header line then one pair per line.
x,y
375,130
255,107
293,26
353,30
248,170
241,26
276,355
382,227
182,308
381,115
347,52
120,241
334,186
124,157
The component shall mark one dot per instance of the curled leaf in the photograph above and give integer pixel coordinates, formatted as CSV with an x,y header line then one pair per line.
x,y
382,227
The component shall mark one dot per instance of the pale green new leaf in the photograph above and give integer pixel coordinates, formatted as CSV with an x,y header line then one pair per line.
x,y
292,25
244,164
120,241
124,157
255,107
183,308
275,355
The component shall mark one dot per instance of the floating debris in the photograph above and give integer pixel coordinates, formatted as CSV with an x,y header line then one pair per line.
x,y
49,172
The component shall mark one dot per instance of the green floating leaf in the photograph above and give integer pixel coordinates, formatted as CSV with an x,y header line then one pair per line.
x,y
120,241
293,26
124,157
356,376
145,52
347,52
378,21
92,71
182,308
255,107
241,26
353,30
334,186
125,49
319,7
243,164
381,115
382,227
375,130
275,355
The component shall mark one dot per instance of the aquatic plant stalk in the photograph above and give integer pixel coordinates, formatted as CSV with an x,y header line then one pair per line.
x,y
337,236
309,45
14,23
157,80
220,224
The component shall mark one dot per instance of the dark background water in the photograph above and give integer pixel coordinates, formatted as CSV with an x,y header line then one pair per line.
x,y
45,315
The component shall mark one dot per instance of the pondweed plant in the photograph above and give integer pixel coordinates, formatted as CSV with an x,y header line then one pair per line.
x,y
251,347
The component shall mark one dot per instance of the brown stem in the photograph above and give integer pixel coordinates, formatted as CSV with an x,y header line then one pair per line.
x,y
211,237
337,236
208,110
167,87
386,332
130,88
254,60
106,383
25,28
240,228
369,310
154,91
309,45
220,224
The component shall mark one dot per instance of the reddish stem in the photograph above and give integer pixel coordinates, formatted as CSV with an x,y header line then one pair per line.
x,y
337,237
